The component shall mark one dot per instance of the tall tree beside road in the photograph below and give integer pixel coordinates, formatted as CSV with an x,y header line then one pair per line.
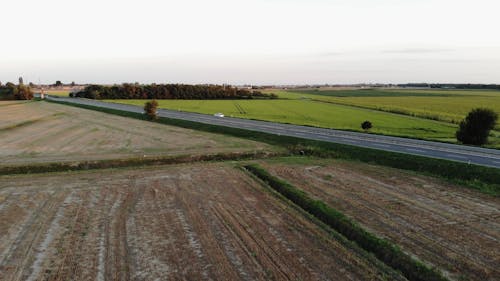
x,y
150,108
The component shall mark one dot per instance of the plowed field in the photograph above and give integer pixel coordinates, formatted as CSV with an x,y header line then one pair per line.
x,y
455,229
34,132
185,222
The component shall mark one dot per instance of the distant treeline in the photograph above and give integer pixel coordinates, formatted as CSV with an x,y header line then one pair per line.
x,y
453,86
15,92
168,91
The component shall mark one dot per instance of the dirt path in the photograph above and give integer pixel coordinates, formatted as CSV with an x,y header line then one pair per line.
x,y
451,227
191,222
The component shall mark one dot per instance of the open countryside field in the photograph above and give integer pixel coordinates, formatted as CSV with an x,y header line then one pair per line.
x,y
35,132
452,228
213,221
312,113
445,105
185,222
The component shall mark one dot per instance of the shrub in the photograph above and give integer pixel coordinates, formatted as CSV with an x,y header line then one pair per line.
x,y
23,93
476,127
150,108
367,125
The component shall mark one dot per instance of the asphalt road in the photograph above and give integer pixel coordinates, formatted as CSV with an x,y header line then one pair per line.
x,y
460,153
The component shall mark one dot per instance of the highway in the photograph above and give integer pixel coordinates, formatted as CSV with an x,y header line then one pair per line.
x,y
460,153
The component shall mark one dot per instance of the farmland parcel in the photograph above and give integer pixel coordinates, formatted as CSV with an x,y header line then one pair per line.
x,y
37,132
454,229
204,221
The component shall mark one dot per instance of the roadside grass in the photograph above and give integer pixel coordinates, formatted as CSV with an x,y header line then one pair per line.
x,y
383,249
316,114
483,179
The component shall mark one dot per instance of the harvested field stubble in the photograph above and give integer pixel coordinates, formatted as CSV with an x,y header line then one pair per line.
x,y
205,221
41,132
455,229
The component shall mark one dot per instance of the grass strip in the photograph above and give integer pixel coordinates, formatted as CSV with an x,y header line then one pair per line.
x,y
384,250
130,162
483,179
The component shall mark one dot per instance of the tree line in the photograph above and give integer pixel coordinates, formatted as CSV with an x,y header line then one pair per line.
x,y
453,86
168,91
15,92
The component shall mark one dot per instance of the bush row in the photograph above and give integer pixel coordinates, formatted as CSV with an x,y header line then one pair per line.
x,y
453,86
484,179
15,92
168,91
384,250
131,162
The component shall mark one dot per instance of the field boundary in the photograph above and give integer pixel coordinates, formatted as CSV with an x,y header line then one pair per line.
x,y
483,179
132,162
391,273
384,250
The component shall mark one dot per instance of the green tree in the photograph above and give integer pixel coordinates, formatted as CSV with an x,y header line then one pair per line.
x,y
150,108
476,127
22,92
21,82
58,83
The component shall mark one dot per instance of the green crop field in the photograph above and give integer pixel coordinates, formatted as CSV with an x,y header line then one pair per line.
x,y
424,114
444,105
312,113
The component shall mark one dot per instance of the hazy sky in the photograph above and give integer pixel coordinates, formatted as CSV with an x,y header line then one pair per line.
x,y
254,41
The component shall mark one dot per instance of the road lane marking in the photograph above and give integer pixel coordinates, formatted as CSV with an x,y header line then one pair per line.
x,y
457,156
382,145
414,150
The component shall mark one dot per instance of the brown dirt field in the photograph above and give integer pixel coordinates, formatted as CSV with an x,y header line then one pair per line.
x,y
184,222
451,227
35,132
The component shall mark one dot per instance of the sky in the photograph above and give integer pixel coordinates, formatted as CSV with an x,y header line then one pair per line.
x,y
250,42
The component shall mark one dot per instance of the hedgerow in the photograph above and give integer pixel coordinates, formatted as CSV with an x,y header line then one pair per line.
x,y
383,249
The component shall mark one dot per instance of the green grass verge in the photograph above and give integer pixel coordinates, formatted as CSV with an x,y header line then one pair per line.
x,y
484,179
384,250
